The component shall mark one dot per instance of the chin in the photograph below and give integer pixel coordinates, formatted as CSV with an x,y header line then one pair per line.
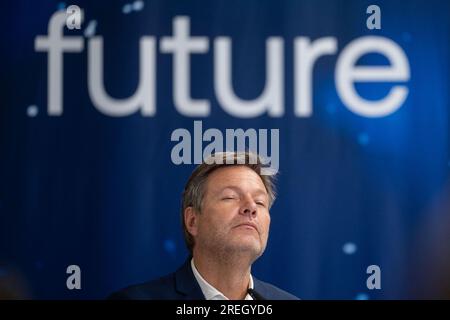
x,y
248,246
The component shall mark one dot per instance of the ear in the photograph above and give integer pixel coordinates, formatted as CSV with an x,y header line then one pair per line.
x,y
191,221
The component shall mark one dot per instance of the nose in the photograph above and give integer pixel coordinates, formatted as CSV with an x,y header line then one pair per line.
x,y
248,208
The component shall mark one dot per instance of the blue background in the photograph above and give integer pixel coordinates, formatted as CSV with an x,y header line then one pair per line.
x,y
102,192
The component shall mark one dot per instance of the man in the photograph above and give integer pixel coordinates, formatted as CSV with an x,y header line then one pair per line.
x,y
225,218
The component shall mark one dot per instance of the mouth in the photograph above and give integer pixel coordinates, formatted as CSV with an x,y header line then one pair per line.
x,y
247,225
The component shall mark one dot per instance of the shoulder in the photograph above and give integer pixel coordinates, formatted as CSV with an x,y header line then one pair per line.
x,y
180,285
158,289
271,292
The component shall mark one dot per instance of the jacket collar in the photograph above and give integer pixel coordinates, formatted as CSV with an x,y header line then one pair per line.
x,y
186,284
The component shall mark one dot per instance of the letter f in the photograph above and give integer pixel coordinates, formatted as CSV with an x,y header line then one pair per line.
x,y
55,44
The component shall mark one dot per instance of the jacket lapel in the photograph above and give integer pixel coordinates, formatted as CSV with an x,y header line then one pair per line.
x,y
260,289
186,284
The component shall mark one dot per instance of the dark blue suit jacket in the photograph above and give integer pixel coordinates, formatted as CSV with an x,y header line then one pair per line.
x,y
182,285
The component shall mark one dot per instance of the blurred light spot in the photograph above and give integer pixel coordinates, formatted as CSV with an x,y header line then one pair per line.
x,y
90,29
32,111
39,264
363,139
126,9
331,108
406,36
61,6
349,248
362,296
169,246
3,272
138,5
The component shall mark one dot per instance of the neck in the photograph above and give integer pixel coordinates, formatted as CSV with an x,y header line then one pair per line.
x,y
228,274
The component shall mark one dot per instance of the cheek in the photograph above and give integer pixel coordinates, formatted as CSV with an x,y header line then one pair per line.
x,y
266,221
217,216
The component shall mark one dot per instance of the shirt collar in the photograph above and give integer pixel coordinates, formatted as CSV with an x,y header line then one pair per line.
x,y
209,291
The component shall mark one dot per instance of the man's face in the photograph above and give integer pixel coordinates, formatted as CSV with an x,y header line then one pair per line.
x,y
235,212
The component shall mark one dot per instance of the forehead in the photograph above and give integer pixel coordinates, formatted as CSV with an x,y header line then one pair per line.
x,y
238,176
